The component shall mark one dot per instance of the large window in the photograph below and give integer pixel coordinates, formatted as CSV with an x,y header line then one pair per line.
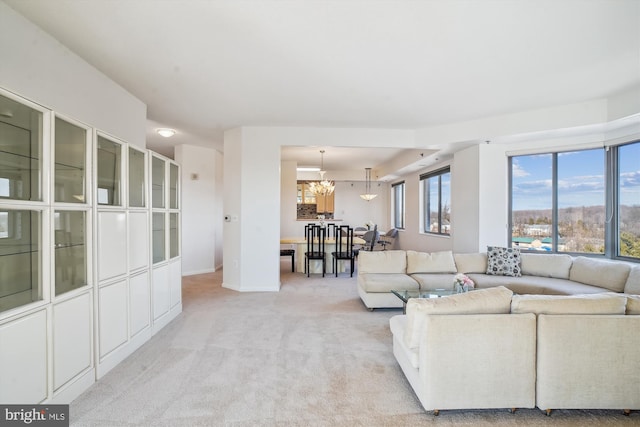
x,y
436,209
628,206
398,204
560,202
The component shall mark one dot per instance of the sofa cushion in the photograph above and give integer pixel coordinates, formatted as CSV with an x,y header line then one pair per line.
x,y
484,301
471,263
382,262
546,265
435,262
535,285
597,272
632,286
633,304
503,261
379,282
430,282
604,303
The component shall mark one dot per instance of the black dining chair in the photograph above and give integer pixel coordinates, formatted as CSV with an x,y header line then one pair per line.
x,y
292,254
344,248
316,236
332,230
306,228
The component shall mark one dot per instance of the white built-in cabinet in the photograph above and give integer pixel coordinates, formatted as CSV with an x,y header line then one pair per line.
x,y
90,263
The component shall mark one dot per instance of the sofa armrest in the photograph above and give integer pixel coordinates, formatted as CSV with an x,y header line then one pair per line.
x,y
478,361
588,362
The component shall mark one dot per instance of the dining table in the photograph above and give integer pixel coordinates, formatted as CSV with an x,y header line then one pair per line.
x,y
315,266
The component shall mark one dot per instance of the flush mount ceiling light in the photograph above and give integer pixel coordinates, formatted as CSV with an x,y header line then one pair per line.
x,y
367,195
324,187
166,132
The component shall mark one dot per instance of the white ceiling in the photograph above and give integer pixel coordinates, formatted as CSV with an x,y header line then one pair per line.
x,y
204,66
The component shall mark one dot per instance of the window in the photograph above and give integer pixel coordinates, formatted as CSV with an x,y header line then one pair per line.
x,y
560,202
436,191
398,204
628,206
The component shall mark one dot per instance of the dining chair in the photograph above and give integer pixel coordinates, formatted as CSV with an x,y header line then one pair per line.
x,y
332,230
388,238
292,254
306,228
370,238
316,236
344,248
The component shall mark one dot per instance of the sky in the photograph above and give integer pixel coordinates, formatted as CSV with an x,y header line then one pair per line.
x,y
580,179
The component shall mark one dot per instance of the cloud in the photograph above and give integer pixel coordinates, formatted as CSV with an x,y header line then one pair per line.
x,y
533,186
630,179
582,183
517,171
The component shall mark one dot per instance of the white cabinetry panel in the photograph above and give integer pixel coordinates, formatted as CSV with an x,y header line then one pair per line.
x,y
138,240
71,338
175,282
112,244
161,293
140,302
23,368
112,309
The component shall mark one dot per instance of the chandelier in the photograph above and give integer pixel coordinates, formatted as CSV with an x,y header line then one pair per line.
x,y
368,196
323,187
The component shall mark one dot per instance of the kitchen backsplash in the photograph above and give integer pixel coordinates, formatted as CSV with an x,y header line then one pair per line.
x,y
308,211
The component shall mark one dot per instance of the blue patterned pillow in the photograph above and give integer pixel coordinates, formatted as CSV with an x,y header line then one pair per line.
x,y
503,261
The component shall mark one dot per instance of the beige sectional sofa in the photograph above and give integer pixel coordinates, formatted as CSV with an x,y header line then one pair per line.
x,y
379,272
493,349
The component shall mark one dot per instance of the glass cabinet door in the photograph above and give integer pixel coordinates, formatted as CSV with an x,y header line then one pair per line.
x,y
109,172
137,166
20,279
21,129
174,238
158,237
157,182
70,250
173,186
70,158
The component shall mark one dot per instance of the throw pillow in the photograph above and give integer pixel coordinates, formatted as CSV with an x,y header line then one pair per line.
x,y
503,261
604,303
495,300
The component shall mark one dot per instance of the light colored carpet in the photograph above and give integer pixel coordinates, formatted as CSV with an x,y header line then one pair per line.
x,y
309,355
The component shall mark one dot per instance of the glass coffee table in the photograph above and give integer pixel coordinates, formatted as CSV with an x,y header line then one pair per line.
x,y
405,296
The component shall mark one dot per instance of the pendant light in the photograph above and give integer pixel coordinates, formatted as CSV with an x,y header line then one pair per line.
x,y
368,196
323,187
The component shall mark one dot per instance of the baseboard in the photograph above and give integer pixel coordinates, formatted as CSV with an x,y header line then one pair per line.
x,y
275,288
164,320
112,359
193,273
70,391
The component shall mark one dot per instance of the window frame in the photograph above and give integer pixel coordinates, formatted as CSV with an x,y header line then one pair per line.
x,y
426,201
398,190
611,201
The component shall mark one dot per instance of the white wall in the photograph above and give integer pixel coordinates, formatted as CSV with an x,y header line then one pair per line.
x,y
201,208
252,194
38,67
